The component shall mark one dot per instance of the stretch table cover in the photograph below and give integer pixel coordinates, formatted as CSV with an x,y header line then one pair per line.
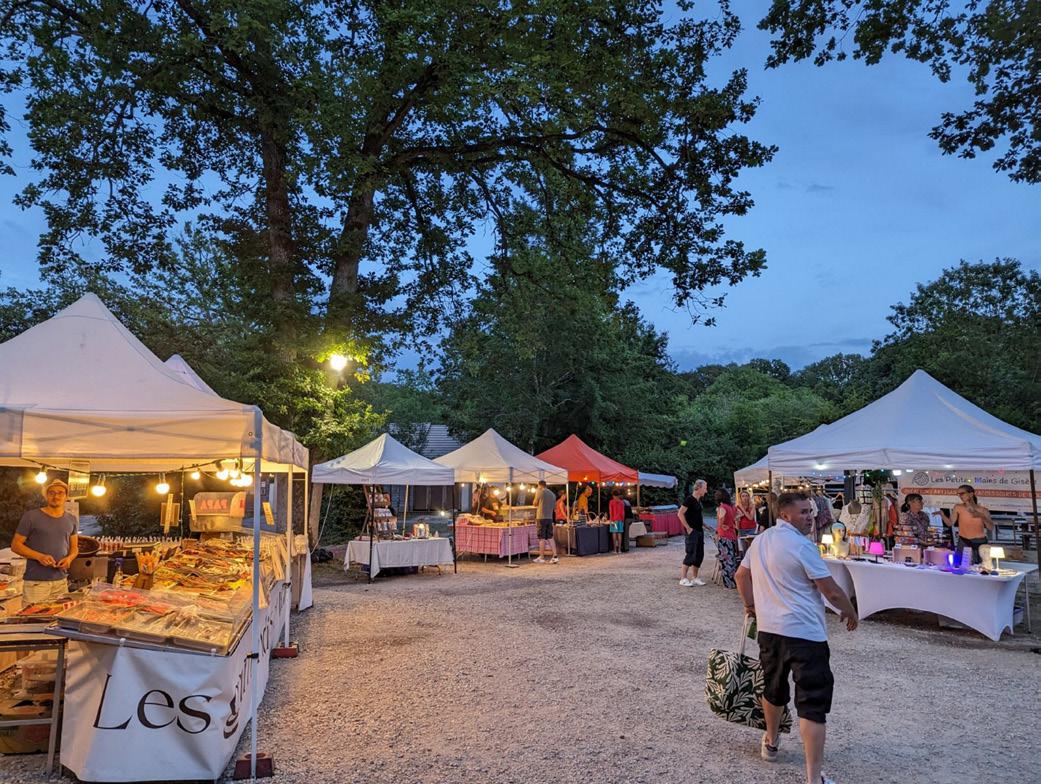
x,y
982,602
663,521
133,714
393,554
492,540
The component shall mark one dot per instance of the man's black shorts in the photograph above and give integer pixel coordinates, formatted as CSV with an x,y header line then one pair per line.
x,y
808,662
545,529
695,549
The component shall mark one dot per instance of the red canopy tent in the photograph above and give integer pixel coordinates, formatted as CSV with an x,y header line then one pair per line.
x,y
585,464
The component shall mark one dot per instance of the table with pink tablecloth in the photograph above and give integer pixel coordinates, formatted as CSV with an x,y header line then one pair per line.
x,y
663,521
495,540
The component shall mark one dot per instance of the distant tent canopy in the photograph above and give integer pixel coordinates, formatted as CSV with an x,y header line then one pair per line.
x,y
585,464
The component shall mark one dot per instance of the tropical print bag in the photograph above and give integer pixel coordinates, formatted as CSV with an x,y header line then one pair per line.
x,y
734,684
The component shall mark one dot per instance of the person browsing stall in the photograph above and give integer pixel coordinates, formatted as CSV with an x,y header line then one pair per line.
x,y
915,518
545,504
973,521
47,539
781,582
616,514
692,519
582,502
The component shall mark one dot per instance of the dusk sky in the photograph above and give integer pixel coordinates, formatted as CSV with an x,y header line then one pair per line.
x,y
857,207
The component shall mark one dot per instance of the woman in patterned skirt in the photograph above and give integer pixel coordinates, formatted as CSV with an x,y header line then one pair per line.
x,y
729,554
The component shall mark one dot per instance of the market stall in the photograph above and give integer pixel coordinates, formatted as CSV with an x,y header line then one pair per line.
x,y
492,460
174,705
585,464
386,461
924,429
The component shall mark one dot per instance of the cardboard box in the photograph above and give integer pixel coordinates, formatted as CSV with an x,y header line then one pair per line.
x,y
24,740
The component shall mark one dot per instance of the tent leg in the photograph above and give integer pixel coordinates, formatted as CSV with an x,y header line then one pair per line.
x,y
1037,525
289,552
769,489
258,429
370,515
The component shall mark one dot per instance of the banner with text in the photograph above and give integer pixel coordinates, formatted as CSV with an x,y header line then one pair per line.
x,y
142,715
999,491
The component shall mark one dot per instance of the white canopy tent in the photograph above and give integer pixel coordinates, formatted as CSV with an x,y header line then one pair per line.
x,y
919,425
759,473
656,480
178,364
384,460
81,387
491,459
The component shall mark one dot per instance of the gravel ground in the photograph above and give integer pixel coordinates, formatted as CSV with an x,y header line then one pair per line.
x,y
593,670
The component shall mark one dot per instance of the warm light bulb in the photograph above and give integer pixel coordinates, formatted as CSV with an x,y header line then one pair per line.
x,y
162,487
196,475
337,362
41,477
523,486
245,480
97,490
222,474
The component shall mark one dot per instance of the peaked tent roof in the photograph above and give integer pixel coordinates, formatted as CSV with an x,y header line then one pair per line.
x,y
584,463
491,458
177,364
80,386
384,460
919,425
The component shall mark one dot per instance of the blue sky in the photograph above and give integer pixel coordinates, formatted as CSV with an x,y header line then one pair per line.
x,y
857,207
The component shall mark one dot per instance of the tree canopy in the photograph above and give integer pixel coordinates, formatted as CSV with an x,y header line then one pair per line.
x,y
997,43
346,152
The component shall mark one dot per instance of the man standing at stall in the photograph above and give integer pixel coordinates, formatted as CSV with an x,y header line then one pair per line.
x,y
47,539
693,521
781,581
545,504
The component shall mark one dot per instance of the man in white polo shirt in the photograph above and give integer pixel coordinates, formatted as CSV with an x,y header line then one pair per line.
x,y
781,581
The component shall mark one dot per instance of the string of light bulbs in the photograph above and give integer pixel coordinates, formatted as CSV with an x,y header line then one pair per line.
x,y
228,469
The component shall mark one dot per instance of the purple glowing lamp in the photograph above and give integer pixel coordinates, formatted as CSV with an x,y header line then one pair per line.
x,y
876,548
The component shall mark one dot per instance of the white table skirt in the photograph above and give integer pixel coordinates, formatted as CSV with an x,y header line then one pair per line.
x,y
389,554
983,603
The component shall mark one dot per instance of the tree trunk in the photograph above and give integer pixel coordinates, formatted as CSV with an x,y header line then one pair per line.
x,y
280,240
314,515
344,300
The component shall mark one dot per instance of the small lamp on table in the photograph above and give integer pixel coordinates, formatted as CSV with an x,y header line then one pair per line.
x,y
997,553
827,540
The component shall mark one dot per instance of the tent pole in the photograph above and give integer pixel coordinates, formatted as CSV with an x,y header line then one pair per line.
x,y
1037,525
258,430
769,489
289,551
370,516
509,522
637,490
455,516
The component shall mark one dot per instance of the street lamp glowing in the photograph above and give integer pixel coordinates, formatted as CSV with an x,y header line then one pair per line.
x,y
337,362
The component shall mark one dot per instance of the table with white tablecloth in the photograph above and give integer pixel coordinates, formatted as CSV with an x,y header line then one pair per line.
x,y
389,554
982,602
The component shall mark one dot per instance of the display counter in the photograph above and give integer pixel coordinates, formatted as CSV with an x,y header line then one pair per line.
x,y
158,680
398,553
662,518
498,539
984,602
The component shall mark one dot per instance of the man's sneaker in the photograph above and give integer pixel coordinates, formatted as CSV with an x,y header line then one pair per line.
x,y
554,559
686,583
540,559
697,581
826,780
766,751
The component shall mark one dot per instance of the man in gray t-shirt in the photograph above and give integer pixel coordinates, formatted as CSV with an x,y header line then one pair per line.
x,y
47,539
545,503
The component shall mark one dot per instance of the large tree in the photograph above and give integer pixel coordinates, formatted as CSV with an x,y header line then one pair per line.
x,y
348,151
996,43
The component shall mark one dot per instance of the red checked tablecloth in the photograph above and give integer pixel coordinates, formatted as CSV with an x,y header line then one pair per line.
x,y
490,540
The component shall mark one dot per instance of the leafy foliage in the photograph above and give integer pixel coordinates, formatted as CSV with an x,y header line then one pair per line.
x,y
995,41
